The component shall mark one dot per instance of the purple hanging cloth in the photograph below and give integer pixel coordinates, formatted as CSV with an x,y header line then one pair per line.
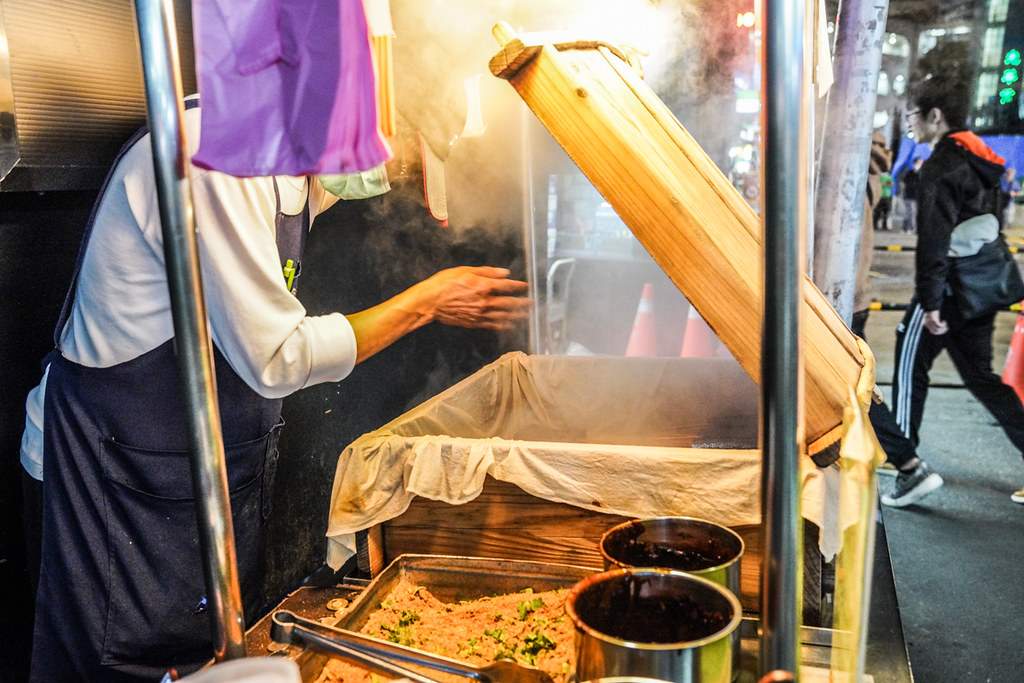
x,y
287,88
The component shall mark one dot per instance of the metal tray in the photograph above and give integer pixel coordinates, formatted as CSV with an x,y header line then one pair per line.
x,y
451,579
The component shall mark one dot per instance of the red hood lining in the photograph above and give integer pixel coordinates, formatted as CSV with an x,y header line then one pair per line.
x,y
975,145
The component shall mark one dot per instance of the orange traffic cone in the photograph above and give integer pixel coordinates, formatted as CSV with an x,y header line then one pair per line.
x,y
698,339
1013,371
642,340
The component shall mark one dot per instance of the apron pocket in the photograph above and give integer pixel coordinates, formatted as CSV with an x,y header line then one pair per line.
x,y
156,612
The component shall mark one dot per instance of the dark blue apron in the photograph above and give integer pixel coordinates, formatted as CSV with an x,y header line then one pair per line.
x,y
122,594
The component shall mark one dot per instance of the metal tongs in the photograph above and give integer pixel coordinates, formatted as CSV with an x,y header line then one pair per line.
x,y
380,656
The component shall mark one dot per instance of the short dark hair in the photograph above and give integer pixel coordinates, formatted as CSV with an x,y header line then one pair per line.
x,y
952,96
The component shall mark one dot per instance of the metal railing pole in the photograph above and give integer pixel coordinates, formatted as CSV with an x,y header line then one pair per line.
x,y
158,45
533,275
785,182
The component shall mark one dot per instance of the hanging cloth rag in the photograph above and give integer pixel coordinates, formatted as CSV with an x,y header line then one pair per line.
x,y
288,88
378,18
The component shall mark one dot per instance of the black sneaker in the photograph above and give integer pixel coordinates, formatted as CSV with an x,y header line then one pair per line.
x,y
912,486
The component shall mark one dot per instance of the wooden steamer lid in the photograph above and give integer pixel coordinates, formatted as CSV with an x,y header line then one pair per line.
x,y
683,210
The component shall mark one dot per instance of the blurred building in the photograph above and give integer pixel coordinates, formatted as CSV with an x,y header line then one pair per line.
x,y
987,37
983,40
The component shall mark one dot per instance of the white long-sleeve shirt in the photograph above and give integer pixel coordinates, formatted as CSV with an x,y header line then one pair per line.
x,y
122,308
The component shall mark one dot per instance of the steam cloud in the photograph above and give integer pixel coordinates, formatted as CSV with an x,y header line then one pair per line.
x,y
440,43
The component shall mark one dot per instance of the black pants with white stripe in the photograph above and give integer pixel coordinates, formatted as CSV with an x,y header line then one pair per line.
x,y
898,448
969,343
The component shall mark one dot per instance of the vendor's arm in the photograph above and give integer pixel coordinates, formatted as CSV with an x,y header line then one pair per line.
x,y
481,297
265,331
260,327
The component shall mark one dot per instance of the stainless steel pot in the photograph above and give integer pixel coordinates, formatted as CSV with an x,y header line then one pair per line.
x,y
653,623
696,546
687,544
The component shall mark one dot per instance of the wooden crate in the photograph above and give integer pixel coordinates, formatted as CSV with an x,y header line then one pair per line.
x,y
506,522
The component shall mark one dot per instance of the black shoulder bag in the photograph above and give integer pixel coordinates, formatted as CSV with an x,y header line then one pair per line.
x,y
986,282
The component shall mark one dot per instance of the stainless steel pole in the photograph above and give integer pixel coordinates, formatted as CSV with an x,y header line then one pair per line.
x,y
533,275
158,44
843,163
785,183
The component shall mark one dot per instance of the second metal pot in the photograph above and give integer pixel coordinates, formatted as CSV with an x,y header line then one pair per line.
x,y
687,544
653,623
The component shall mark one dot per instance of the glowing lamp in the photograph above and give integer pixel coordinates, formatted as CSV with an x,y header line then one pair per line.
x,y
745,20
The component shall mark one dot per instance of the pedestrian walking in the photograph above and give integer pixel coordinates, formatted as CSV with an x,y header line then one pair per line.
x,y
958,214
914,478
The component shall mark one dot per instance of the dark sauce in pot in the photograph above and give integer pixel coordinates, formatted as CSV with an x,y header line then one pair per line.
x,y
637,553
622,609
629,547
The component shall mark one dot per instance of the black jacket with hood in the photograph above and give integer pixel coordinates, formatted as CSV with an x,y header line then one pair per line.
x,y
960,180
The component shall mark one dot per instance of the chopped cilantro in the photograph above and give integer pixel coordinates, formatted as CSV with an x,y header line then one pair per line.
x,y
504,654
469,648
525,608
538,642
397,634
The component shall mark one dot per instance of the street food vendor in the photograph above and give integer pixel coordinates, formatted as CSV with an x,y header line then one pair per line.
x,y
121,591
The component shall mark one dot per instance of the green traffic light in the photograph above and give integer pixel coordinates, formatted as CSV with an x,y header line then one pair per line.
x,y
1009,77
1006,95
1012,58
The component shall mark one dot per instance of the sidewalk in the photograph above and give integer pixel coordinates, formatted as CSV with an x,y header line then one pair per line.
x,y
956,555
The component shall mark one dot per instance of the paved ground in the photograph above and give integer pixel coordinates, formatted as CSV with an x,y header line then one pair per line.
x,y
956,557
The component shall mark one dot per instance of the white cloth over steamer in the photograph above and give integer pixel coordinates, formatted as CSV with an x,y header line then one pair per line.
x,y
638,437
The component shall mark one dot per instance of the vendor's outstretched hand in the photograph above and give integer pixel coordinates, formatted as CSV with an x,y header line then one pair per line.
x,y
465,296
480,296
